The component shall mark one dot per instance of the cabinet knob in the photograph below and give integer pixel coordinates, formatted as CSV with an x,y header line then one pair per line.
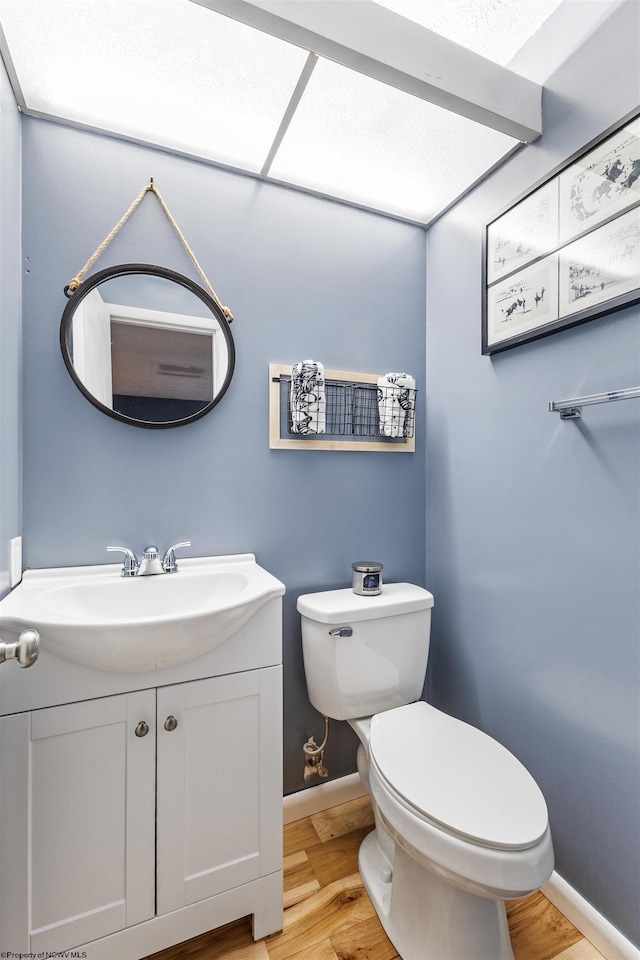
x,y
170,724
142,729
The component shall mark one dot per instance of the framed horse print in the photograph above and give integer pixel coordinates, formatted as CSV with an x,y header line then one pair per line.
x,y
569,250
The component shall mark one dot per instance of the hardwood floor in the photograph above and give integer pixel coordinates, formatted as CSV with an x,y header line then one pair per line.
x,y
328,915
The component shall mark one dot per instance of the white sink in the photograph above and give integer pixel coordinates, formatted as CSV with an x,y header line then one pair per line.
x,y
95,617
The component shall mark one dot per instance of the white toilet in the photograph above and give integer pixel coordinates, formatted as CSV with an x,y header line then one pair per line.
x,y
461,825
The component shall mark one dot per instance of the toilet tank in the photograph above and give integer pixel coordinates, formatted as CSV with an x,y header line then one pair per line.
x,y
379,662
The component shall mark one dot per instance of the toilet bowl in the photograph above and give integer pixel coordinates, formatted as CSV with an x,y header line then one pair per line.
x,y
461,825
456,859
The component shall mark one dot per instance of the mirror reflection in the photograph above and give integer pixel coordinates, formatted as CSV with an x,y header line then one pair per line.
x,y
147,345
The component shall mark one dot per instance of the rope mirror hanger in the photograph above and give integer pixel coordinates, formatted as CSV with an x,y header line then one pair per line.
x,y
73,284
144,344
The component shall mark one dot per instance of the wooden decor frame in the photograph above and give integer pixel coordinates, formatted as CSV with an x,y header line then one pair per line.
x,y
347,443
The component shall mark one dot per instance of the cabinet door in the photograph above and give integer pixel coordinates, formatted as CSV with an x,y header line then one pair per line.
x,y
219,785
76,822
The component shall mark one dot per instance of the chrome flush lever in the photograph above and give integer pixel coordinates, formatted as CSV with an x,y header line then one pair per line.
x,y
341,632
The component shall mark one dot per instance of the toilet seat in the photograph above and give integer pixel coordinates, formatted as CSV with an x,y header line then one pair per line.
x,y
456,777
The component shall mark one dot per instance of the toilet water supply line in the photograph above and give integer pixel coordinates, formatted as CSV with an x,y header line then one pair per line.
x,y
314,755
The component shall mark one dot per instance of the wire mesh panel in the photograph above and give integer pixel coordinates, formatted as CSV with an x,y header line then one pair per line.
x,y
365,411
334,412
339,408
360,410
396,411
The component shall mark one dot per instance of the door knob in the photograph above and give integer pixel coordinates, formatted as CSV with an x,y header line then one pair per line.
x,y
170,724
25,650
142,729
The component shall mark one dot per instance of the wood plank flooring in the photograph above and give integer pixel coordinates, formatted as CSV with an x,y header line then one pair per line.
x,y
328,915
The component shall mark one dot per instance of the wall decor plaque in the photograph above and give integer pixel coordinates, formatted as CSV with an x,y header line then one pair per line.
x,y
569,250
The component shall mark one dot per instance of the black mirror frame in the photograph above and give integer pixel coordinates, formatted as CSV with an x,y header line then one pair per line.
x,y
126,269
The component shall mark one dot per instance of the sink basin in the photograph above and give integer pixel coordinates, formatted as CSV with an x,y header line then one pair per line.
x,y
95,617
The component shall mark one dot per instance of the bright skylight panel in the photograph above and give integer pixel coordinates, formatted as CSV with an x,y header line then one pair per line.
x,y
164,71
173,73
370,144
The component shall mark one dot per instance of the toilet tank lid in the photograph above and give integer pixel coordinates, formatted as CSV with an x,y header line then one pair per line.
x,y
336,606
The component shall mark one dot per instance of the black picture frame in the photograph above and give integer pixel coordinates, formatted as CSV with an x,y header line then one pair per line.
x,y
568,250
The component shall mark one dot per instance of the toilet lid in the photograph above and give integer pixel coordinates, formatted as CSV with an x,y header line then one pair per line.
x,y
456,776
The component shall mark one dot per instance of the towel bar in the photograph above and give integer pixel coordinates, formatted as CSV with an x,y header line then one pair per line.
x,y
572,409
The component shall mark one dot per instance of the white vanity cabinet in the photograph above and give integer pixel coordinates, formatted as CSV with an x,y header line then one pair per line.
x,y
134,821
219,799
77,802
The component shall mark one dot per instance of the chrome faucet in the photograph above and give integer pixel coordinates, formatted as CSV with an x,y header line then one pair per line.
x,y
151,562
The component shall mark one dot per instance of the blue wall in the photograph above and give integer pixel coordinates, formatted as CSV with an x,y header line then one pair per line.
x,y
10,326
533,546
534,523
304,277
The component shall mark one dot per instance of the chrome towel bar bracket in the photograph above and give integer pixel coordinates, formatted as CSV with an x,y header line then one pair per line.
x,y
571,409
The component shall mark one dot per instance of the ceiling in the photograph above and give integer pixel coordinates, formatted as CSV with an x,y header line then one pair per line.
x,y
338,113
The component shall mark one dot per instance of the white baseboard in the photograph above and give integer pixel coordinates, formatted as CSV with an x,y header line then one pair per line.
x,y
324,795
591,924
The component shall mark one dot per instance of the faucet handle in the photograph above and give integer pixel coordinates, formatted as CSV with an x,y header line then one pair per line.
x,y
169,564
130,566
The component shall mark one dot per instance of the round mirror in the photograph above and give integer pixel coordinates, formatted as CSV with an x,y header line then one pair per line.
x,y
147,346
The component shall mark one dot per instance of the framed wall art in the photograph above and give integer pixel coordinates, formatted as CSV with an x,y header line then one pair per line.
x,y
568,250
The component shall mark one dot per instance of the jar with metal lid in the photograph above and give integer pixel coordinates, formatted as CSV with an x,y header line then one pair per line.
x,y
367,578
